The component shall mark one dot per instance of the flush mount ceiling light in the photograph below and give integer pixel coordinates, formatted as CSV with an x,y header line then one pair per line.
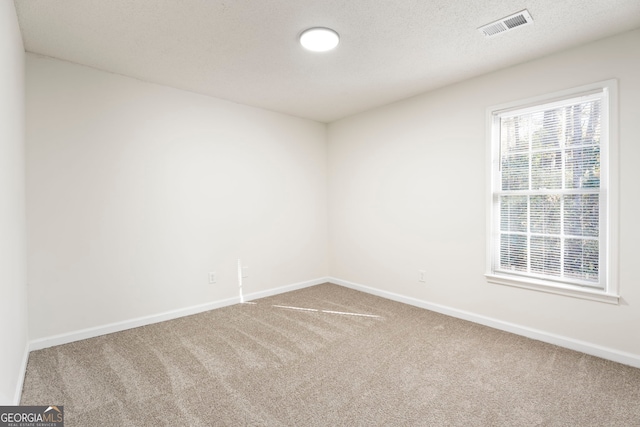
x,y
319,39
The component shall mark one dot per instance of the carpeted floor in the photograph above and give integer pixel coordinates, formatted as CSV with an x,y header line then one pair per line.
x,y
328,356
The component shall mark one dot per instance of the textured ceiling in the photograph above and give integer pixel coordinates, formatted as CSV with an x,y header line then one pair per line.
x,y
247,51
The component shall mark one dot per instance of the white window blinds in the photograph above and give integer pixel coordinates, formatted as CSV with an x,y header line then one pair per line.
x,y
548,191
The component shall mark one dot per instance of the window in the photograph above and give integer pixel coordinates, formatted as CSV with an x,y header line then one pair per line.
x,y
552,193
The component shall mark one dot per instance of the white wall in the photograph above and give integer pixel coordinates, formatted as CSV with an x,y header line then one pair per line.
x,y
407,192
136,191
13,270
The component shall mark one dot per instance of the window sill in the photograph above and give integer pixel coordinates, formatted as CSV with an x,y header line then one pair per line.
x,y
570,291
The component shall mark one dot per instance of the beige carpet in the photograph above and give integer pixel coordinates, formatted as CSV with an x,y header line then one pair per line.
x,y
328,356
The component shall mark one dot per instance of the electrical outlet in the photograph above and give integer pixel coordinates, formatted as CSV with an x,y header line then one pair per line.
x,y
422,276
212,277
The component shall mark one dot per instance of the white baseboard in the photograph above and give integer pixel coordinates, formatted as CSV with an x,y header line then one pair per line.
x,y
283,289
127,324
562,341
21,374
82,334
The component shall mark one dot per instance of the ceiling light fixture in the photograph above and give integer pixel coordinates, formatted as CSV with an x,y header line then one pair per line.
x,y
319,39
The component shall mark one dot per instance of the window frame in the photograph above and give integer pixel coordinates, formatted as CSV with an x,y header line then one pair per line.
x,y
609,190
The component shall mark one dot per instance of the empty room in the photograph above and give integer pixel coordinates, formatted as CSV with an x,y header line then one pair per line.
x,y
304,213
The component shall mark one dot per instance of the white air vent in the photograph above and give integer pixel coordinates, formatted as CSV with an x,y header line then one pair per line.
x,y
507,23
